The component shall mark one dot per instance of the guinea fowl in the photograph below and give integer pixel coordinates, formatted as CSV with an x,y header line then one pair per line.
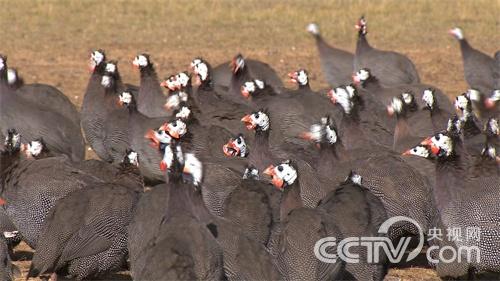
x,y
479,68
85,233
404,137
300,228
471,126
314,101
141,133
45,95
207,97
36,121
406,111
222,74
463,203
150,98
264,152
402,190
337,64
364,120
390,67
439,116
371,83
243,258
288,112
93,106
31,187
357,213
114,136
253,207
103,121
481,104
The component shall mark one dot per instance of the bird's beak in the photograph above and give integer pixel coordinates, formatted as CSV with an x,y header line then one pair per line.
x,y
306,136
332,96
277,182
406,153
186,170
91,66
489,103
244,92
234,66
390,110
230,149
427,141
355,79
247,119
293,77
2,201
163,165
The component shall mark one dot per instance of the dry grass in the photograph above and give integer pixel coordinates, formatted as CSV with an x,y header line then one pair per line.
x,y
49,41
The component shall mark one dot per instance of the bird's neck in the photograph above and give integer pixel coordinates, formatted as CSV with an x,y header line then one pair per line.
x,y
450,180
330,157
401,132
362,44
290,200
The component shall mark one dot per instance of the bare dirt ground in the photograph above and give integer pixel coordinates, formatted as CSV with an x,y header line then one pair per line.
x,y
49,40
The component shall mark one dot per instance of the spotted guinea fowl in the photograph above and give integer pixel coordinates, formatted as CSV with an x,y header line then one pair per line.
x,y
314,101
439,116
470,125
479,68
222,74
150,98
402,190
114,136
31,187
36,121
85,233
390,67
409,124
45,95
357,213
105,137
253,207
243,258
337,64
405,137
140,134
363,120
463,203
300,228
215,109
371,83
288,112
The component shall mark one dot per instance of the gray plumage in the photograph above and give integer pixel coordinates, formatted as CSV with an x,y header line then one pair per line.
x,y
479,68
391,67
337,64
86,232
35,121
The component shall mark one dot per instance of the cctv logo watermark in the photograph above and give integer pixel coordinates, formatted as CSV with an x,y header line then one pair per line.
x,y
376,245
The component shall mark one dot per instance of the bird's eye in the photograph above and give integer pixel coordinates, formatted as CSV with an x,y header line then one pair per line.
x,y
238,141
174,124
256,115
414,150
438,137
280,168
